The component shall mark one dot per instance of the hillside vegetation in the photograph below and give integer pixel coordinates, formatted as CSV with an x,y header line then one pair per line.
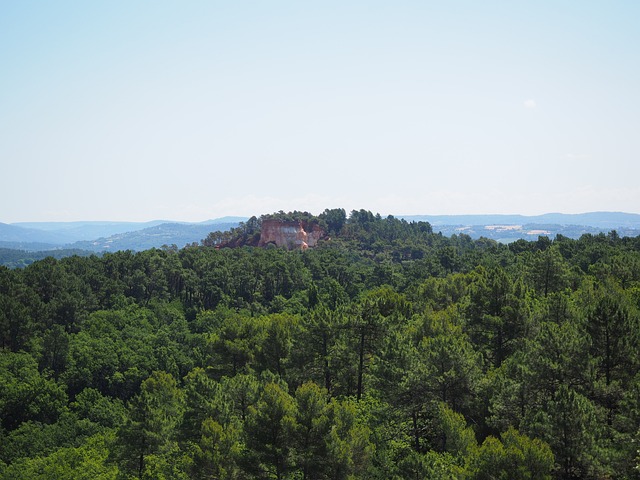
x,y
386,352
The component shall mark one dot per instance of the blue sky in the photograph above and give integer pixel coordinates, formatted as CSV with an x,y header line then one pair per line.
x,y
196,110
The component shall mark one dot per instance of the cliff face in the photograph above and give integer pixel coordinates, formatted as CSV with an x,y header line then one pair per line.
x,y
291,235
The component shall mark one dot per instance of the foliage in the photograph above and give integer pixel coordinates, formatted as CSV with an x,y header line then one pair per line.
x,y
386,352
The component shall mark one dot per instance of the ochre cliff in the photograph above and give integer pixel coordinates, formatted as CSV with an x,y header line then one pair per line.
x,y
290,234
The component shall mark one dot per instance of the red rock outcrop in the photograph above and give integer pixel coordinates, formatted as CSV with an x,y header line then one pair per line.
x,y
289,234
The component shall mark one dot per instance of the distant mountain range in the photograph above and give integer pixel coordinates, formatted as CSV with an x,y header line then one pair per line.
x,y
178,234
113,236
108,236
508,228
606,220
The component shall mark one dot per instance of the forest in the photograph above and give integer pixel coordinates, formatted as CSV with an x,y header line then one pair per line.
x,y
389,351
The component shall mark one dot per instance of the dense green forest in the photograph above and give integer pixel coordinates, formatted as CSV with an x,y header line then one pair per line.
x,y
386,352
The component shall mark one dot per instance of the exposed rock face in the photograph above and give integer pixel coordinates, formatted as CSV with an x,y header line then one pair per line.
x,y
291,235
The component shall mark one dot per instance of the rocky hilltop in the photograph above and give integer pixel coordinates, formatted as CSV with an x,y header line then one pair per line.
x,y
290,234
293,231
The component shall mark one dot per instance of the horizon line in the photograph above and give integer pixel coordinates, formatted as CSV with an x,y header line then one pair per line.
x,y
213,219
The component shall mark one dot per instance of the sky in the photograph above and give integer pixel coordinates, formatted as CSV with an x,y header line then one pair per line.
x,y
135,111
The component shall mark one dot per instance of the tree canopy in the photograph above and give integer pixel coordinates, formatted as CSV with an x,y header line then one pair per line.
x,y
386,352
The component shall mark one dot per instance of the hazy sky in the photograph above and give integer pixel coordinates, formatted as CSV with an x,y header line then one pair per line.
x,y
190,110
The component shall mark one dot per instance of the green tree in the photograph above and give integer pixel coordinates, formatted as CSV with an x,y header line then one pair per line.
x,y
614,347
153,417
369,324
349,445
234,346
513,457
105,411
244,390
204,399
312,429
451,366
568,423
497,316
88,461
270,431
313,353
549,271
454,435
20,309
217,452
275,348
209,428
26,394
335,219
